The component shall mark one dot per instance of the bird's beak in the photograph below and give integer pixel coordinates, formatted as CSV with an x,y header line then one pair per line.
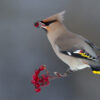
x,y
41,25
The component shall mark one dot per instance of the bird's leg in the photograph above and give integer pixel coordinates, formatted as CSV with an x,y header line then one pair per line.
x,y
59,75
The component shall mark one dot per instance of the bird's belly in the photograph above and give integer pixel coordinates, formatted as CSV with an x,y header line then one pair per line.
x,y
74,63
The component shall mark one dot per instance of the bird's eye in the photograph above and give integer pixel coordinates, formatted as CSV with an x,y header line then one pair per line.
x,y
48,23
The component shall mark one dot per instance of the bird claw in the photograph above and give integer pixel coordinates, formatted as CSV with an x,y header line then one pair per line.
x,y
60,75
57,74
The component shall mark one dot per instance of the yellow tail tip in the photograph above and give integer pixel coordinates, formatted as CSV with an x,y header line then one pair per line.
x,y
96,72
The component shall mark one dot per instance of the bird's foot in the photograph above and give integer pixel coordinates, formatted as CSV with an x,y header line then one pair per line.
x,y
59,75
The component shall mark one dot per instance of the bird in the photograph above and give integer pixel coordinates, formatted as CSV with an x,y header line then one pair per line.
x,y
73,49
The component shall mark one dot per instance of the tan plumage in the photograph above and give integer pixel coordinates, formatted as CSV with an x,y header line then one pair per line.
x,y
63,40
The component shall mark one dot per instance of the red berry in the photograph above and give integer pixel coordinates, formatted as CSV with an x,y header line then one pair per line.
x,y
42,68
36,24
40,80
38,90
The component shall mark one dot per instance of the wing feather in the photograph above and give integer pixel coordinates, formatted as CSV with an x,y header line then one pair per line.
x,y
79,54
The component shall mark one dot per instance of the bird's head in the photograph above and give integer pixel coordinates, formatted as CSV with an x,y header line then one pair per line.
x,y
50,22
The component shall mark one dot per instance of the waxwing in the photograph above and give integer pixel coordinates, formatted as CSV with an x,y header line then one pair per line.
x,y
73,49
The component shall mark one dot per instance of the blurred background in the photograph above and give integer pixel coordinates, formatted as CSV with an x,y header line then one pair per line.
x,y
24,48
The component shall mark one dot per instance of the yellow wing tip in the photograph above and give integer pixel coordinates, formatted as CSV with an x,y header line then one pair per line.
x,y
96,72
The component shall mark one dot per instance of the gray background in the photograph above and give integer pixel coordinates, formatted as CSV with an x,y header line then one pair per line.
x,y
23,48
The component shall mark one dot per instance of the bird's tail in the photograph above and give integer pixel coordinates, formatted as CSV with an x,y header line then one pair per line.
x,y
95,69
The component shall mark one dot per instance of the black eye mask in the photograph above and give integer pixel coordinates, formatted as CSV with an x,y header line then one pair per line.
x,y
48,23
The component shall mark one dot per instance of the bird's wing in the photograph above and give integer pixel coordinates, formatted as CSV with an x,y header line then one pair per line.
x,y
92,45
76,47
79,53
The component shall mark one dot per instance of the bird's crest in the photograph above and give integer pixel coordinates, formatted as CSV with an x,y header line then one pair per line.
x,y
60,16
